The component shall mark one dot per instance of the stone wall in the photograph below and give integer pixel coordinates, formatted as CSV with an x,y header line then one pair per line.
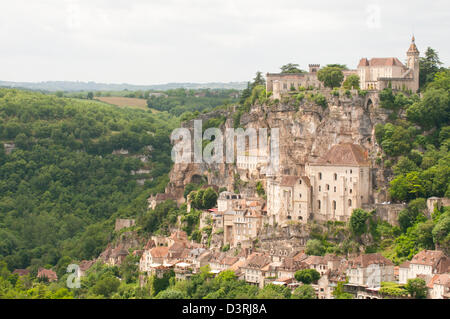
x,y
124,223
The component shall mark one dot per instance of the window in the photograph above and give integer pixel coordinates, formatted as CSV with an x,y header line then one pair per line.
x,y
334,205
335,176
318,204
351,171
351,191
335,189
349,203
320,176
328,187
300,195
300,181
320,188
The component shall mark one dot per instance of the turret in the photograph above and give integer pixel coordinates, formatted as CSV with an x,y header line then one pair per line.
x,y
413,63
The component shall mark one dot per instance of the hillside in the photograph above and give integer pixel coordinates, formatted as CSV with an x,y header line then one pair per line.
x,y
63,179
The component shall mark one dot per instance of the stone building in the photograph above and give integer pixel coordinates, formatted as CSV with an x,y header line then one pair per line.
x,y
333,186
340,182
380,73
426,263
288,199
369,270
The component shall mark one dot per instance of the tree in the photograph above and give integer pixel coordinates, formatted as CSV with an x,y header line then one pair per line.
x,y
291,68
429,66
351,82
171,294
209,198
272,291
315,247
90,95
331,76
432,111
259,79
106,286
304,292
417,288
307,276
358,222
339,292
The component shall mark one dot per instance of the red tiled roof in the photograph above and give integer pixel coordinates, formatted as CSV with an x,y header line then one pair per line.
x,y
380,62
369,259
47,273
159,252
434,258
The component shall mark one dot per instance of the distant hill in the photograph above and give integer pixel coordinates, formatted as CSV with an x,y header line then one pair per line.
x,y
70,86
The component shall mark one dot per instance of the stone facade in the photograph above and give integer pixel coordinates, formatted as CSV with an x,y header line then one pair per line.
x,y
380,73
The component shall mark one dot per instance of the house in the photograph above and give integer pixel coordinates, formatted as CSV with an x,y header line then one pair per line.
x,y
369,270
288,199
183,270
47,274
153,258
426,263
318,263
439,286
84,266
255,269
340,182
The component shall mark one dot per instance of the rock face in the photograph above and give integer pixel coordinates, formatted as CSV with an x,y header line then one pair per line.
x,y
306,132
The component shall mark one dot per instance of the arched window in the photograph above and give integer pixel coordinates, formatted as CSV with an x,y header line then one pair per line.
x,y
300,181
318,204
334,205
349,203
328,187
335,176
320,176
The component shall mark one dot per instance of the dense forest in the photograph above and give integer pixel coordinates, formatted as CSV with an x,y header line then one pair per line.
x,y
62,186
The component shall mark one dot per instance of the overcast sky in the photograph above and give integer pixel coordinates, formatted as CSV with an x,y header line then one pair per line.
x,y
160,41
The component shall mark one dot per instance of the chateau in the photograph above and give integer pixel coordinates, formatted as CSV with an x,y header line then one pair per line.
x,y
375,74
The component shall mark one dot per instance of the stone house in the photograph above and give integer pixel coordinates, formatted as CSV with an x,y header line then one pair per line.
x,y
426,263
47,274
288,199
340,182
439,286
153,257
319,263
254,270
369,270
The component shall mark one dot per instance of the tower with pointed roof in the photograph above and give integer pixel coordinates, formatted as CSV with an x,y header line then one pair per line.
x,y
413,62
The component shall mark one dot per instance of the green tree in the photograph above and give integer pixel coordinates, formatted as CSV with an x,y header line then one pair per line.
x,y
304,292
106,286
315,247
307,276
429,66
209,198
331,76
417,288
358,222
351,82
291,68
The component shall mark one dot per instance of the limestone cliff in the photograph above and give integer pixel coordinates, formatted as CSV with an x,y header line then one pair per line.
x,y
306,130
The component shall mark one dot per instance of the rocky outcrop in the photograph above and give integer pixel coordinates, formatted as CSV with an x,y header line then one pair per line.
x,y
306,130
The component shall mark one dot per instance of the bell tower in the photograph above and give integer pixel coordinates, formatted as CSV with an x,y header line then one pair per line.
x,y
413,63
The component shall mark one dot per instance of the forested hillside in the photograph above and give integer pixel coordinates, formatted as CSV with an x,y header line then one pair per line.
x,y
61,186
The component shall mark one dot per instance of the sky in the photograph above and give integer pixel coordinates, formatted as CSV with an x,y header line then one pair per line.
x,y
160,41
